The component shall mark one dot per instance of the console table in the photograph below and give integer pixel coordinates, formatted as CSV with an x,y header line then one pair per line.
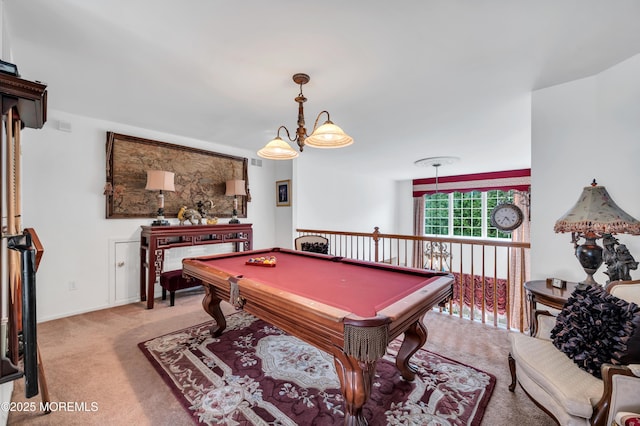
x,y
154,240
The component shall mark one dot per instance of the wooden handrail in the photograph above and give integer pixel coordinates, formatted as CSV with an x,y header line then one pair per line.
x,y
482,266
379,235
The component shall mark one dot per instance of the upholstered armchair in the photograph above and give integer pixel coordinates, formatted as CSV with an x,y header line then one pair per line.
x,y
622,393
592,393
625,418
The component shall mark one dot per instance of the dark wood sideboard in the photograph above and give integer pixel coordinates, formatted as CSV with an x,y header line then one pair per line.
x,y
154,240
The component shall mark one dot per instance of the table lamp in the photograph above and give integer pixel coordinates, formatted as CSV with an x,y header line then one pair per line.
x,y
594,215
235,188
158,180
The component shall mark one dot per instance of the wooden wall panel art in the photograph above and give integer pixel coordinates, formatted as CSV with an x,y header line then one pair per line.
x,y
199,176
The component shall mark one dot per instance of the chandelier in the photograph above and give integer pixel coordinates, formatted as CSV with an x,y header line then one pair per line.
x,y
327,135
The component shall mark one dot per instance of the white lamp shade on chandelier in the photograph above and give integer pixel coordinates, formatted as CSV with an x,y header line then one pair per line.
x,y
328,136
278,149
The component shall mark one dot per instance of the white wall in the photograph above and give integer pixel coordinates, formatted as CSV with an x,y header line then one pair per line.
x,y
284,234
4,43
404,208
63,179
340,200
582,130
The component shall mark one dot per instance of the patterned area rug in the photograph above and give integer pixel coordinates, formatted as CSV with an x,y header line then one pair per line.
x,y
256,374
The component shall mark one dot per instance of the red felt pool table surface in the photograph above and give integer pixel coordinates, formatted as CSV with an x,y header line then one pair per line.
x,y
362,288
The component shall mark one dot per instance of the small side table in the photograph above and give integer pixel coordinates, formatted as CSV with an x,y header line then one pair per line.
x,y
539,291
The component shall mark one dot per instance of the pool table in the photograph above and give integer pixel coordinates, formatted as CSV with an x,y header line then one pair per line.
x,y
349,308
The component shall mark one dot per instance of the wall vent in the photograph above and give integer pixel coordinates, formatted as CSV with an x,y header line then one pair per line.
x,y
64,126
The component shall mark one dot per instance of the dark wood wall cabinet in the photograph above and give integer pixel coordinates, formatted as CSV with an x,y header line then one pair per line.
x,y
28,99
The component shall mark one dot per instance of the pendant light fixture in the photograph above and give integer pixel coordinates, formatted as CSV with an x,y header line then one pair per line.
x,y
328,135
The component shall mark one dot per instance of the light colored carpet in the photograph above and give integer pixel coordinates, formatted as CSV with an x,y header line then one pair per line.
x,y
92,362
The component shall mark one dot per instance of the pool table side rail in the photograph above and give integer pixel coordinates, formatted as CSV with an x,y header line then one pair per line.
x,y
413,307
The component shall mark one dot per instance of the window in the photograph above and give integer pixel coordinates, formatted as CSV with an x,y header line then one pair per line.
x,y
437,220
464,214
467,214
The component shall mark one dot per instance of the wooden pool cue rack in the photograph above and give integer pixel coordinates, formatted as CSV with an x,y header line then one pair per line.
x,y
24,104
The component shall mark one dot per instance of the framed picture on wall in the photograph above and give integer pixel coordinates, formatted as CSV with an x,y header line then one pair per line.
x,y
283,193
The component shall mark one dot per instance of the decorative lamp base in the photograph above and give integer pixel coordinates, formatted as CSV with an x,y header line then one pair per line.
x,y
589,255
160,220
234,214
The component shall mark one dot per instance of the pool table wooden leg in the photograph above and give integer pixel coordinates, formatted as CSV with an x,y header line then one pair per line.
x,y
414,338
356,381
211,305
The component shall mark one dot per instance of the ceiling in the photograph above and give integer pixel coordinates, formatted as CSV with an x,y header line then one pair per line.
x,y
406,79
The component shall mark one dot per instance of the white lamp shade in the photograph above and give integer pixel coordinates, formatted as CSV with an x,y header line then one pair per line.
x,y
328,136
595,211
159,180
235,187
278,149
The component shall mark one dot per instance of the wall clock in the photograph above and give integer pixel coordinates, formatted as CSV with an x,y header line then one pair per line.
x,y
506,217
